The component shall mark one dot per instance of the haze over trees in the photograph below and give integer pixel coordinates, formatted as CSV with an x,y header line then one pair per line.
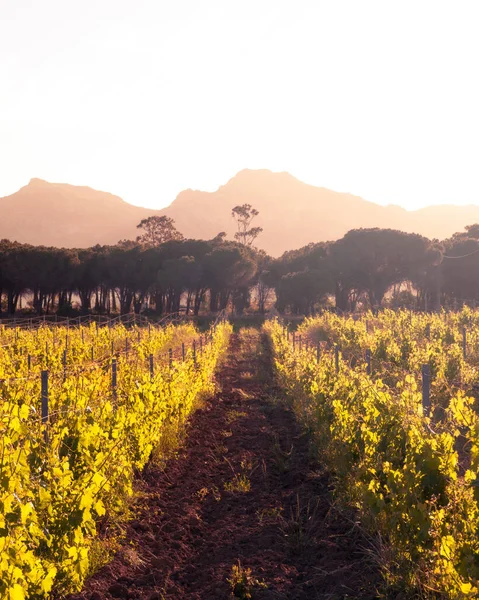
x,y
167,273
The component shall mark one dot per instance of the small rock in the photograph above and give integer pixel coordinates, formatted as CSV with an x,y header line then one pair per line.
x,y
157,563
117,590
139,526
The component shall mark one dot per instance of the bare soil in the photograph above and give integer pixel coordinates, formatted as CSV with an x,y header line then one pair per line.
x,y
245,491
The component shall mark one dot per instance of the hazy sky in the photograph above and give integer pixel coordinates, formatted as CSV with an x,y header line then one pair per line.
x,y
144,98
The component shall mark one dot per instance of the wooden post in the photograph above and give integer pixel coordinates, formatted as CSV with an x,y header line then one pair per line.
x,y
426,385
336,358
368,361
428,331
45,400
64,365
152,366
92,353
29,361
183,351
170,357
113,378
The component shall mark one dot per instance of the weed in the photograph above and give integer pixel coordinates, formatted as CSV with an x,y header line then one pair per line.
x,y
233,415
268,515
243,583
281,459
300,527
132,557
239,483
202,493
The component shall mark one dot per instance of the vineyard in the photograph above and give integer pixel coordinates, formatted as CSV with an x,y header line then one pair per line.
x,y
81,410
390,401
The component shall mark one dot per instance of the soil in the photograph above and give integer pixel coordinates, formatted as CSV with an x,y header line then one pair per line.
x,y
243,491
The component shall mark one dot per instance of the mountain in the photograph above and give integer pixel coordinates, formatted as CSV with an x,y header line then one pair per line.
x,y
58,214
292,213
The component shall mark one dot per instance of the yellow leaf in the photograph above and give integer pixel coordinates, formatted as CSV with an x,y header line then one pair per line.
x,y
86,500
25,511
16,592
24,411
47,583
466,588
448,545
99,508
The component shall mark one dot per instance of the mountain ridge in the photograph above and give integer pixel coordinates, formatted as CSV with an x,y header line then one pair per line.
x,y
292,213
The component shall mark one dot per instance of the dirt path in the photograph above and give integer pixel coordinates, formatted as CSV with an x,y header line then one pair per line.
x,y
243,492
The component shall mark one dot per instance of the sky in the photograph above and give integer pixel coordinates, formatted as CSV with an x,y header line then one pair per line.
x,y
145,98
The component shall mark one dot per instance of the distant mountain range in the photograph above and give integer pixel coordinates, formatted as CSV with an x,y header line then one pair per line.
x,y
292,213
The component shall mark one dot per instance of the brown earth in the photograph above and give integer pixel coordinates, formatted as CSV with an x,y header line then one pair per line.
x,y
198,519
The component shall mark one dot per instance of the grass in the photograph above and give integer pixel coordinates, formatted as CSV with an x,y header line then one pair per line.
x,y
233,415
300,526
243,583
240,483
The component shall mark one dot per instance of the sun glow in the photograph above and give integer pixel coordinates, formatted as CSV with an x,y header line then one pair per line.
x,y
146,98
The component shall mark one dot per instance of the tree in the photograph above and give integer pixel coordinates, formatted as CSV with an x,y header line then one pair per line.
x,y
301,278
460,269
370,261
244,215
302,290
227,269
157,231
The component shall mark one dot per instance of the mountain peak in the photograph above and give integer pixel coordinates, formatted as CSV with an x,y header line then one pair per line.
x,y
36,181
253,176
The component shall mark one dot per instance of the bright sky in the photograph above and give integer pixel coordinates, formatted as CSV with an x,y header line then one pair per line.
x,y
144,98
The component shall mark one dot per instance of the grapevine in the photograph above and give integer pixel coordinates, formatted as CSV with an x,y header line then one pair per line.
x,y
412,475
59,477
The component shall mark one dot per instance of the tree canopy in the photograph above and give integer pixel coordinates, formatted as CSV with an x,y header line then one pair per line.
x,y
167,273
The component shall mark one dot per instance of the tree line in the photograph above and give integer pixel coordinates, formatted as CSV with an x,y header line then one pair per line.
x,y
163,272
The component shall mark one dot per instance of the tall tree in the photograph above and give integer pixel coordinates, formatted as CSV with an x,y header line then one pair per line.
x,y
370,261
157,231
244,215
